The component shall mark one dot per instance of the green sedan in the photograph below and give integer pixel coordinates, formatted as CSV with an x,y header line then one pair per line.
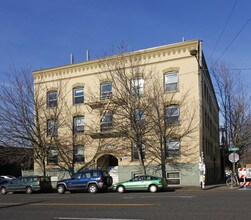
x,y
142,182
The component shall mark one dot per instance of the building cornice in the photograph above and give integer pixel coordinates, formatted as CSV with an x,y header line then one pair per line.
x,y
93,66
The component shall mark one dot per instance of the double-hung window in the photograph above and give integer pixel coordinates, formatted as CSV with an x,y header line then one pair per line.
x,y
78,95
135,155
78,154
172,114
106,122
139,117
52,157
137,86
172,147
52,127
52,98
105,91
171,81
78,124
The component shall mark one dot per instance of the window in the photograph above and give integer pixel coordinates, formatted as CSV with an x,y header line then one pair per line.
x,y
172,114
136,173
171,81
52,157
52,98
105,91
139,117
78,124
137,86
172,147
106,122
135,155
87,175
77,176
52,127
173,178
78,154
78,95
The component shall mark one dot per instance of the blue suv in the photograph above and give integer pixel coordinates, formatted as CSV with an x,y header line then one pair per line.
x,y
91,180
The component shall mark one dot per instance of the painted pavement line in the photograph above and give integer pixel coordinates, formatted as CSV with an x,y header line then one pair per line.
x,y
82,204
150,197
69,218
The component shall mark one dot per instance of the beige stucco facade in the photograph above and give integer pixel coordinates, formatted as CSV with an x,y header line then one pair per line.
x,y
201,145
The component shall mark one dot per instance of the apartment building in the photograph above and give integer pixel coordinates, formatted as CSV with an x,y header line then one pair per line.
x,y
95,112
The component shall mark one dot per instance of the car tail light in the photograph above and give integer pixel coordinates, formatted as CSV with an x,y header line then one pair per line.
x,y
38,180
101,180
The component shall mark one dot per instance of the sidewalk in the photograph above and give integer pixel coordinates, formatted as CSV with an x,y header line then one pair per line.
x,y
215,187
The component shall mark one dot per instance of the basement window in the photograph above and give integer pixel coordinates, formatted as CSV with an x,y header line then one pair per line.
x,y
173,178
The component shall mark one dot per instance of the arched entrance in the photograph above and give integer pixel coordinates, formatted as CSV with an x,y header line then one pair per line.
x,y
109,163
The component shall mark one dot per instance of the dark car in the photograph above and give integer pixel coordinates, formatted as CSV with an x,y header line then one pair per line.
x,y
27,184
91,180
6,179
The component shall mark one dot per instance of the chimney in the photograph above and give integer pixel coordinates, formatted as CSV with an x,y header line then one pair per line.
x,y
87,55
71,58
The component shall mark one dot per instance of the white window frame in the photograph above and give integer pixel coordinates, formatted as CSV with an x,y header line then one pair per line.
x,y
107,94
168,118
77,90
52,129
137,86
135,173
78,152
134,152
106,125
51,154
171,149
139,117
173,178
52,102
171,81
78,124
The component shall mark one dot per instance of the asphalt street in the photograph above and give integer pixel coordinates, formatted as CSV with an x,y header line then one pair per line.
x,y
215,203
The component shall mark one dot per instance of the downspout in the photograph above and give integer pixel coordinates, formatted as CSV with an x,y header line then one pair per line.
x,y
202,166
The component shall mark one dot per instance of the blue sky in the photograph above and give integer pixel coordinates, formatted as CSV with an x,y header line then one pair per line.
x,y
43,33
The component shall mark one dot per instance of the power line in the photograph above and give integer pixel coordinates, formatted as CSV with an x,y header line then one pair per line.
x,y
222,32
233,39
248,68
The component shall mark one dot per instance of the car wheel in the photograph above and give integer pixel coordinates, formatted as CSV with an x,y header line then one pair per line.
x,y
28,190
61,189
153,188
92,188
3,191
120,189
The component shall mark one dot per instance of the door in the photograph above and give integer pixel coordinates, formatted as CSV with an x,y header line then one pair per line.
x,y
75,182
137,182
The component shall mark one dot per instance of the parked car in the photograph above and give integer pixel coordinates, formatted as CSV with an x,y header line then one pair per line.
x,y
91,180
141,182
27,184
8,177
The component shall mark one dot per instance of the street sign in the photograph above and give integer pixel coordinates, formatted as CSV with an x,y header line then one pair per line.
x,y
233,149
233,157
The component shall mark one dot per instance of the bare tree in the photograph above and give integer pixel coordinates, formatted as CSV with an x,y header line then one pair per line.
x,y
173,120
128,77
140,108
234,107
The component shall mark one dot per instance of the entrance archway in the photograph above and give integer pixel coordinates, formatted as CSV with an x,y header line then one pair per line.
x,y
109,163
